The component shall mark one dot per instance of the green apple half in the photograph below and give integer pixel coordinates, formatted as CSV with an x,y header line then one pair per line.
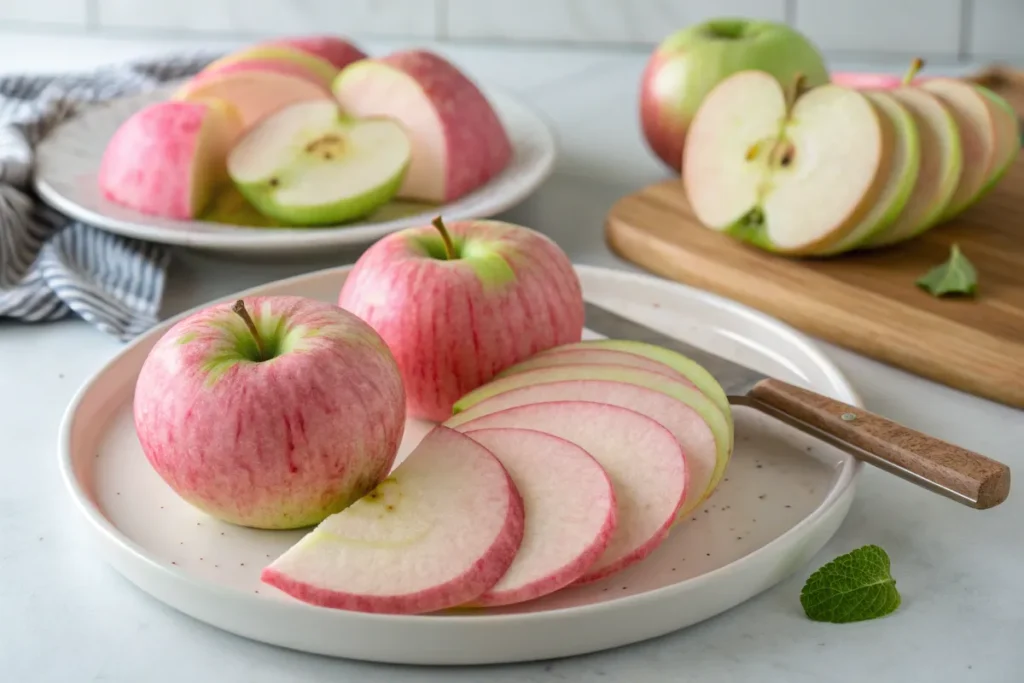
x,y
309,164
904,166
941,165
791,175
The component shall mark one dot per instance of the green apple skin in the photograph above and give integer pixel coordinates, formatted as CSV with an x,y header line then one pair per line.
x,y
693,60
1013,149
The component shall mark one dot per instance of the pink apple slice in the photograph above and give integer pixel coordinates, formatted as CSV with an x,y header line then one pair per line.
x,y
169,158
643,460
562,357
438,533
685,423
569,511
283,54
338,51
678,390
459,143
255,93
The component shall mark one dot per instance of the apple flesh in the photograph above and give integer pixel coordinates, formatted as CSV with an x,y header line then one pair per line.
x,y
569,512
437,533
686,425
901,176
284,54
168,159
457,307
310,165
976,119
939,172
562,356
337,51
643,460
689,63
256,89
790,173
679,391
275,429
459,143
1008,141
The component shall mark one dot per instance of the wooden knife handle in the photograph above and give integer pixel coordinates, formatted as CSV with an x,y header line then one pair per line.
x,y
963,475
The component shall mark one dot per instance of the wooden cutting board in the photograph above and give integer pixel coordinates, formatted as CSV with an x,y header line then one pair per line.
x,y
869,302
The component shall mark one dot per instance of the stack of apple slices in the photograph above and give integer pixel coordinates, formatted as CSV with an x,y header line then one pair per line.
x,y
564,469
831,169
307,131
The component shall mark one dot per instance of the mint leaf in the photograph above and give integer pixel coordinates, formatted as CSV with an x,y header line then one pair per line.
x,y
955,276
853,587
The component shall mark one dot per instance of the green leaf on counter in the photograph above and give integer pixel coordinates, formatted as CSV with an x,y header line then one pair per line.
x,y
856,586
955,276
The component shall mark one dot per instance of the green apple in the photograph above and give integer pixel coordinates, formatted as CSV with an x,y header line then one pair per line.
x,y
684,68
791,172
904,166
309,164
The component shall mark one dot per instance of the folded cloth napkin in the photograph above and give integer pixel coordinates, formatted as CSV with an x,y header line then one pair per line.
x,y
52,266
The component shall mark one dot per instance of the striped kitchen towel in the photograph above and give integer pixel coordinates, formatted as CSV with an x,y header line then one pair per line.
x,y
50,265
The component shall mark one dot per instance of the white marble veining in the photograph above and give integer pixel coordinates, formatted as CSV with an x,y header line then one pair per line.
x,y
65,617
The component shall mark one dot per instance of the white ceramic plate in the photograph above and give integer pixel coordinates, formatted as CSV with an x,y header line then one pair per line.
x,y
783,497
68,160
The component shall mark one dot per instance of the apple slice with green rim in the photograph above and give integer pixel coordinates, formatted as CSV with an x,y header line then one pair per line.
x,y
681,391
439,532
977,121
904,166
792,173
686,424
1007,137
563,357
309,164
323,69
940,168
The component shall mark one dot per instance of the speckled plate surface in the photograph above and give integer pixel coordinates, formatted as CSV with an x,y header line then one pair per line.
x,y
68,160
782,498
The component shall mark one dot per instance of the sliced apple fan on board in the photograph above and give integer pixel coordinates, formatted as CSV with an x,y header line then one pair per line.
x,y
313,131
848,168
571,466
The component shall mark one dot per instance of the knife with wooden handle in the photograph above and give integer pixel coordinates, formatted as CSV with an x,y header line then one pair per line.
x,y
957,473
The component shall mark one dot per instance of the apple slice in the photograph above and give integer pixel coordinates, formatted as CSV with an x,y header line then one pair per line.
x,y
562,357
310,165
256,89
976,120
168,159
279,53
941,165
337,51
459,143
437,533
1008,141
569,512
643,460
687,367
685,423
901,178
793,175
684,393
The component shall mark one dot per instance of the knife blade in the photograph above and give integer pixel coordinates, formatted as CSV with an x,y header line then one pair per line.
x,y
944,468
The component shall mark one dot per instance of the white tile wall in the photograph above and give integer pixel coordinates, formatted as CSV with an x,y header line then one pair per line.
x,y
417,18
45,12
995,28
861,29
911,27
587,21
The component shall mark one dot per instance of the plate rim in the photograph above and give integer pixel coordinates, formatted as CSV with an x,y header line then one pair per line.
x,y
225,236
844,486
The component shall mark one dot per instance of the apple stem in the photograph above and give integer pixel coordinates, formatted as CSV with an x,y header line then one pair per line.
x,y
915,66
449,247
239,308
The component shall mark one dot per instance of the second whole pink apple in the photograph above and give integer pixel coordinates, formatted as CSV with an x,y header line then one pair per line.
x,y
458,304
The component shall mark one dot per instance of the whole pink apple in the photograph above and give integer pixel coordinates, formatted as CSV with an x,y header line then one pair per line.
x,y
273,413
693,60
461,303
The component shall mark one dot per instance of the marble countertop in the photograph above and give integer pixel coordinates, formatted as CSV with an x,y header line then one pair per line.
x,y
65,617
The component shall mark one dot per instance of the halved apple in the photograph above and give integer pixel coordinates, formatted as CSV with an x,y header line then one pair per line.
x,y
977,120
940,168
793,175
309,164
904,166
